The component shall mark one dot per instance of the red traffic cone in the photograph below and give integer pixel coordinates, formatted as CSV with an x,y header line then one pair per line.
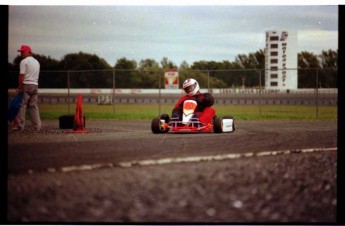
x,y
79,124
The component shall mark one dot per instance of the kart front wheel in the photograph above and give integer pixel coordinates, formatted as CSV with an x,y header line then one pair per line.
x,y
157,126
224,125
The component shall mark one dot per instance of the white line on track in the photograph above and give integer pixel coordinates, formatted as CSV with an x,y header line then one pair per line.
x,y
163,161
218,157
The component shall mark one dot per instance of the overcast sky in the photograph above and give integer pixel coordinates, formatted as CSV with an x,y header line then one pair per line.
x,y
190,33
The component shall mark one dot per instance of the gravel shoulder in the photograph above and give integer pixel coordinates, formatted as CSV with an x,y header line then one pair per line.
x,y
290,188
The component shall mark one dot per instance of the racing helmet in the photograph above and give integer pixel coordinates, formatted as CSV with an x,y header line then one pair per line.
x,y
191,86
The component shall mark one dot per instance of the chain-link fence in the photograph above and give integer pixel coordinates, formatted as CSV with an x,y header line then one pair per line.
x,y
315,87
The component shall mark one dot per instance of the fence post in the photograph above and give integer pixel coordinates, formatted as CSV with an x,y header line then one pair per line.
x,y
317,94
159,96
68,94
260,93
208,81
113,96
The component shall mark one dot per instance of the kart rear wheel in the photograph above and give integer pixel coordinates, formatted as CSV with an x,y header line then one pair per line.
x,y
217,125
156,126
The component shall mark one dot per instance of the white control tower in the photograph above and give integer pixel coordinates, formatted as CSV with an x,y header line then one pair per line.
x,y
281,60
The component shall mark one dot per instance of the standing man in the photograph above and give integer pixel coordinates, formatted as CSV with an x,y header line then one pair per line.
x,y
28,84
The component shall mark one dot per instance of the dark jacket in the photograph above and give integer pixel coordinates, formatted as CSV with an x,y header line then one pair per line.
x,y
203,99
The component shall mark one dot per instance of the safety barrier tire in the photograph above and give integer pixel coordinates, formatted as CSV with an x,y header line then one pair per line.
x,y
67,121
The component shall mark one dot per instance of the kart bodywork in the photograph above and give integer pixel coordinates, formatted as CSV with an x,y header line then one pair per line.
x,y
188,124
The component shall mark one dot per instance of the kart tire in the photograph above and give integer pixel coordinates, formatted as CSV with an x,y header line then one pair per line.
x,y
165,117
217,125
234,124
155,126
67,121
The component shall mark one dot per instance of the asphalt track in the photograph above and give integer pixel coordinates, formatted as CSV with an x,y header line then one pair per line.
x,y
266,171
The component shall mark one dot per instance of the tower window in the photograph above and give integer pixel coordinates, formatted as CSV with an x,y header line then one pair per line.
x,y
274,38
274,83
274,61
274,75
274,46
274,53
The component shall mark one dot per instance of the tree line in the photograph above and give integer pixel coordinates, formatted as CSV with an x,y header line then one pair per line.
x,y
95,72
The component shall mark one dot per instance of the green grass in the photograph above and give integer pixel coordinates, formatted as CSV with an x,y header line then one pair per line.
x,y
148,111
291,112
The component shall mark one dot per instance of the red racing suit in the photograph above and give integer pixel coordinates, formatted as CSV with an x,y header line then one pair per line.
x,y
204,110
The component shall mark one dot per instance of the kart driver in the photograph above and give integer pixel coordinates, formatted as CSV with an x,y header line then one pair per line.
x,y
204,112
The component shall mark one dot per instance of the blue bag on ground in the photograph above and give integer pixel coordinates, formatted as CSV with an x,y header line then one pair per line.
x,y
14,106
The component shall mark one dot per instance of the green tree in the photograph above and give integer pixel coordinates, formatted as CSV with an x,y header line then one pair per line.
x,y
48,79
184,66
260,59
13,73
50,76
308,63
204,73
253,61
329,58
83,61
125,64
167,64
125,73
328,76
149,74
86,78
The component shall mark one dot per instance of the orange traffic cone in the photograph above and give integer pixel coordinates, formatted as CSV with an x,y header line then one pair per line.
x,y
79,124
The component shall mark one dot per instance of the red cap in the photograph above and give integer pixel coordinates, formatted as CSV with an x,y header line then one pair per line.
x,y
24,48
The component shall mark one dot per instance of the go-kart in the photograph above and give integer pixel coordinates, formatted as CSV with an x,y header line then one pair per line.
x,y
164,124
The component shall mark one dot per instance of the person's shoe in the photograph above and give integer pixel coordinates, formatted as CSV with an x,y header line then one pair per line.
x,y
20,128
14,128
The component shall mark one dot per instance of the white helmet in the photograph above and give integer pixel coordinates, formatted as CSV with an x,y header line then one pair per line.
x,y
191,86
